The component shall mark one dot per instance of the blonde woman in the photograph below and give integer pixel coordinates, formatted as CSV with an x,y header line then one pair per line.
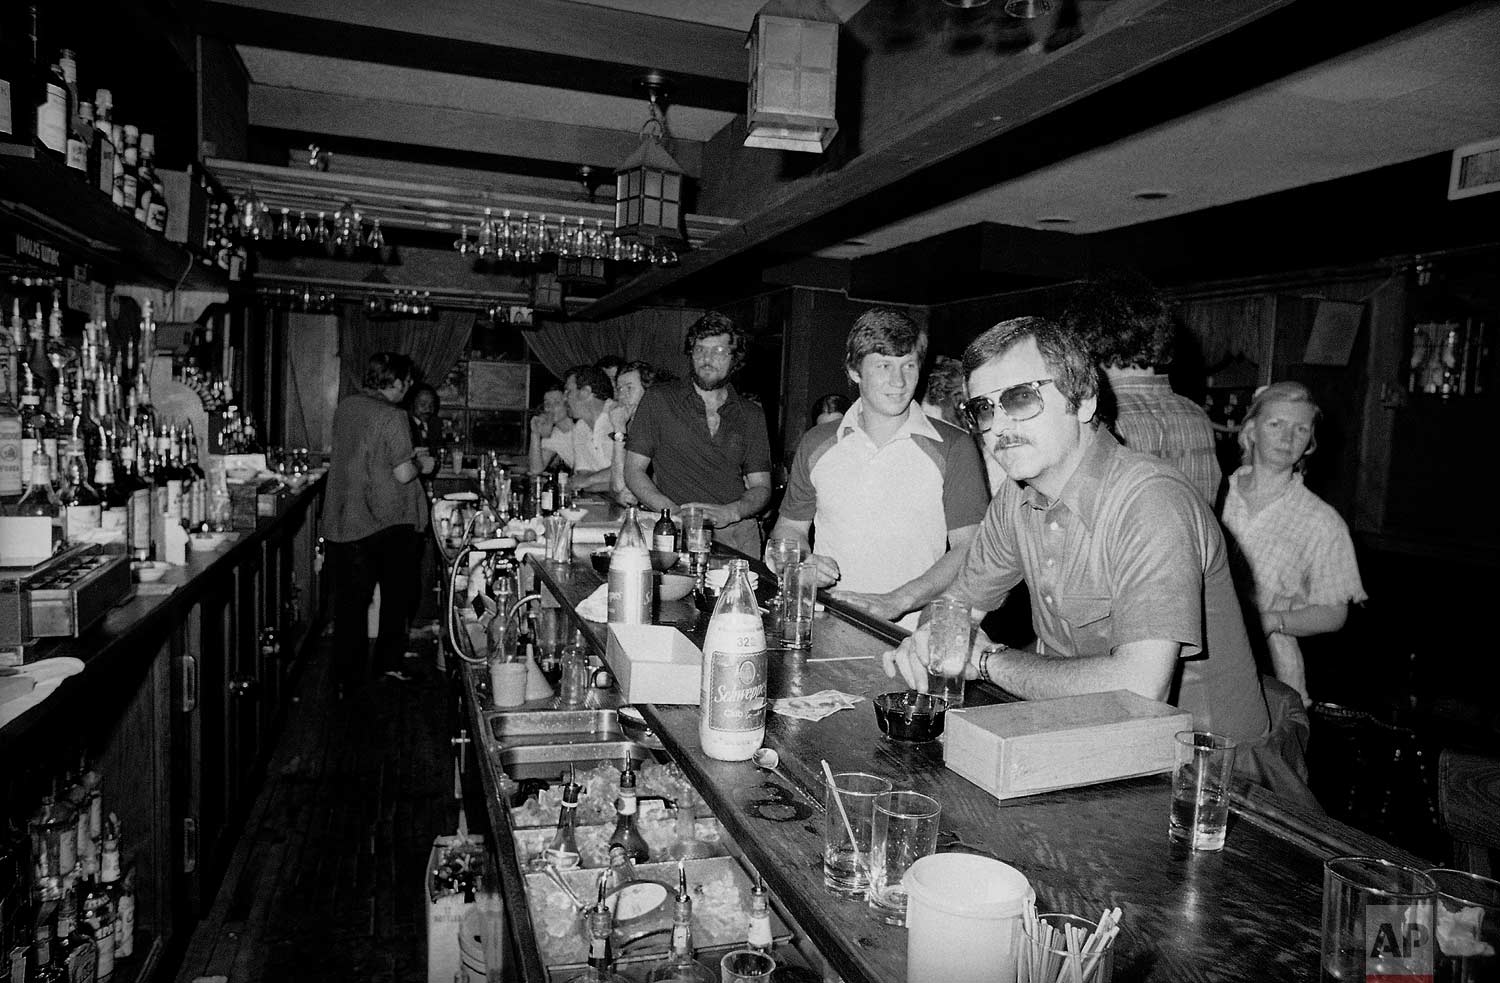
x,y
1298,561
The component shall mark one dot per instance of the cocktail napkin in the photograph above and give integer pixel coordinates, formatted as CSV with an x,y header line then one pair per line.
x,y
595,607
815,706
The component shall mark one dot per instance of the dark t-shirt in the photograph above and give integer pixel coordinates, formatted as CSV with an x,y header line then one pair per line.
x,y
688,465
370,438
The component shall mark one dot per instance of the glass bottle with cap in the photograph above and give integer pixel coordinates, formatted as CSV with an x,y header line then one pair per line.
x,y
681,964
600,922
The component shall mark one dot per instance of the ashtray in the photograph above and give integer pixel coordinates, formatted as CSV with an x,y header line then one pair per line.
x,y
663,560
675,586
909,717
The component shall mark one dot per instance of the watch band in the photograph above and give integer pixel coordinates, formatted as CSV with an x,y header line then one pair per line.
x,y
984,661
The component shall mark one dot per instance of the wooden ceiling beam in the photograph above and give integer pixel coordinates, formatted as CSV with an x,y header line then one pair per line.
x,y
390,122
538,42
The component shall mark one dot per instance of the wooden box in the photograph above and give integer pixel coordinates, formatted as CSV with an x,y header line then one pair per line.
x,y
1016,749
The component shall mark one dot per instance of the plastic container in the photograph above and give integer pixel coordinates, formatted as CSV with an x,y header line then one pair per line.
x,y
963,919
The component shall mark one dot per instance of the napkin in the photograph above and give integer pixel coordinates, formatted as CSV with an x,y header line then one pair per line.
x,y
48,674
815,706
595,607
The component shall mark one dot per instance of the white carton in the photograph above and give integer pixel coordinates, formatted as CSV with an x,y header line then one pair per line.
x,y
654,664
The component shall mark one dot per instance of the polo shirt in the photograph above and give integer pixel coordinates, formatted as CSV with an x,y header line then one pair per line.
x,y
1150,417
883,513
1129,551
370,438
688,463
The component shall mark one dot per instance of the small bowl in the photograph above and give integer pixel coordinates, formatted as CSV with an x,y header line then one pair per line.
x,y
674,586
909,717
205,541
600,559
663,560
149,572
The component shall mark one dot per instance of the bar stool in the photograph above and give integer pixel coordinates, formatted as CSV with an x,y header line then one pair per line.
x,y
1469,804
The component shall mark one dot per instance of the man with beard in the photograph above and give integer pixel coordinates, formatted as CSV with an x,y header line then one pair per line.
x,y
696,441
1126,565
895,496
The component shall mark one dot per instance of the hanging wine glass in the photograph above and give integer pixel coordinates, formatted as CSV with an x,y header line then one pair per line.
x,y
485,239
507,243
303,232
376,240
462,243
345,226
320,233
284,227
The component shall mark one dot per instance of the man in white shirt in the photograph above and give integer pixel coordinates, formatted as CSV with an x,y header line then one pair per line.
x,y
587,449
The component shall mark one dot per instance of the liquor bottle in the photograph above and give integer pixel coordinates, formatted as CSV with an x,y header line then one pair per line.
x,y
130,162
155,210
664,533
15,112
43,372
40,966
52,113
601,928
562,850
75,950
40,498
138,494
732,699
191,489
101,167
109,877
629,599
758,934
626,833
125,916
81,503
75,146
681,964
114,507
97,910
117,173
11,476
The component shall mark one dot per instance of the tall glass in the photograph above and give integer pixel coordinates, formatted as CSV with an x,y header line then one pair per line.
x,y
1378,919
799,593
949,641
1200,789
1468,927
697,530
905,830
846,862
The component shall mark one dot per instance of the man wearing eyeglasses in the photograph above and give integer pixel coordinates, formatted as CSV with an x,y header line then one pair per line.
x,y
1126,565
895,496
696,441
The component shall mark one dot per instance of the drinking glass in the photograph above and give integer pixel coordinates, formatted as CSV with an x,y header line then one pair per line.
x,y
846,862
904,831
559,539
1200,790
746,966
799,592
1468,927
1045,956
1378,919
698,529
949,641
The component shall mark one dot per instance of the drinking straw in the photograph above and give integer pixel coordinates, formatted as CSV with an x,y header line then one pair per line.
x,y
1074,960
838,801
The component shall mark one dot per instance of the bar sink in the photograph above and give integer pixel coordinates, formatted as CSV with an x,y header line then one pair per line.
x,y
539,726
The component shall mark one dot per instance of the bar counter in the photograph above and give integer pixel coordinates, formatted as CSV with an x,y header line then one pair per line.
x,y
1250,911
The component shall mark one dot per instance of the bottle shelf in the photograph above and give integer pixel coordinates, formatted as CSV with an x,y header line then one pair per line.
x,y
43,200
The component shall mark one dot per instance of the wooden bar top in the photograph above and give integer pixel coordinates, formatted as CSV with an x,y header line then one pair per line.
x,y
1250,911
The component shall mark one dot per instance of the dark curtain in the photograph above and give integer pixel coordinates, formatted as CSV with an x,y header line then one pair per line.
x,y
433,346
651,335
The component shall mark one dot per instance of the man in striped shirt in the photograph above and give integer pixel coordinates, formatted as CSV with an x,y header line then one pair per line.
x,y
1124,321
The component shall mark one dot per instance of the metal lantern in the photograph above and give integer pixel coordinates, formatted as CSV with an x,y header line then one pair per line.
x,y
794,52
648,194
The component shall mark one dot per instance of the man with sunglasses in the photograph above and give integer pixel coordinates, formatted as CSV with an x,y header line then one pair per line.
x,y
1127,568
895,496
696,441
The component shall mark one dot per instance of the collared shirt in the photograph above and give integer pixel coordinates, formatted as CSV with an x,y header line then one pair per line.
x,y
371,437
688,463
1151,418
1127,552
586,447
883,512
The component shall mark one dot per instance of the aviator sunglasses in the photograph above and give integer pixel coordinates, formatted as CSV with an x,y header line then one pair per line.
x,y
1020,402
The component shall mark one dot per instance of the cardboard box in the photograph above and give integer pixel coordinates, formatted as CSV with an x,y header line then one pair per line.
x,y
1016,749
654,664
446,911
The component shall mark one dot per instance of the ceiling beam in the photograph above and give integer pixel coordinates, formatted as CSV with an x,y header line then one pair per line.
x,y
541,42
390,122
977,260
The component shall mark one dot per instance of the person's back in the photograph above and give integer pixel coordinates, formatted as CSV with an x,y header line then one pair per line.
x,y
363,495
1151,418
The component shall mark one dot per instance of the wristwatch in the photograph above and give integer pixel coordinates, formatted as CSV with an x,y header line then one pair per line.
x,y
617,436
984,660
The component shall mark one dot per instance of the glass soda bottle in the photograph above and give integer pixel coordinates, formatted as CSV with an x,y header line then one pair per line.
x,y
732,698
626,833
562,851
681,964
600,922
630,575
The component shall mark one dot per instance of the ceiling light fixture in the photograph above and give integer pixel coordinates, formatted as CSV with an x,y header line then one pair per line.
x,y
966,4
794,59
648,185
1151,194
1054,220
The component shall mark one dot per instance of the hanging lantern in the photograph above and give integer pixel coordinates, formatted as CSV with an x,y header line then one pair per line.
x,y
648,186
794,53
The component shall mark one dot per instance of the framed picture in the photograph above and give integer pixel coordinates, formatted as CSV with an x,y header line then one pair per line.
x,y
499,385
501,430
